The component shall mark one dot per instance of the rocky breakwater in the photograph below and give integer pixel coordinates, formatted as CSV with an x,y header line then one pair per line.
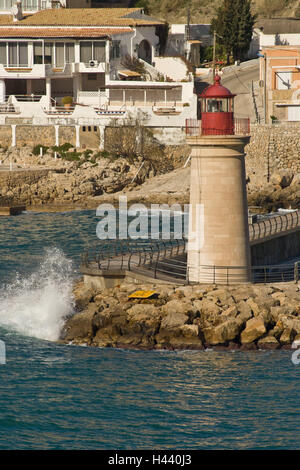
x,y
283,190
77,178
64,176
243,317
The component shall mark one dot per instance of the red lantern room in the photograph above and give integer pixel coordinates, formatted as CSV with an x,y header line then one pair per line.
x,y
217,109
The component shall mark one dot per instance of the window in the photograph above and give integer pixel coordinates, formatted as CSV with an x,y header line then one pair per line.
x,y
3,53
284,80
70,55
99,51
86,52
23,54
17,54
59,54
38,53
48,51
115,50
92,51
92,76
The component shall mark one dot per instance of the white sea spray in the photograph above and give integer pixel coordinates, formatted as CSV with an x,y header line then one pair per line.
x,y
37,305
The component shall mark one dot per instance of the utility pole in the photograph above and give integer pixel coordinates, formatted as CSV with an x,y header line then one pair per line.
x,y
265,88
214,55
264,56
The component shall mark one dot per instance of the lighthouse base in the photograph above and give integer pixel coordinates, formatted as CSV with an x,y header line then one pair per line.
x,y
218,244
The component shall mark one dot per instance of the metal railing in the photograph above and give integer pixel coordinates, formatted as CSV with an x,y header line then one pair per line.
x,y
274,225
166,260
241,126
265,274
161,258
32,97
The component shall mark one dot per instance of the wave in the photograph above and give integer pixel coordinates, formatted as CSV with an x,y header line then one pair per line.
x,y
38,304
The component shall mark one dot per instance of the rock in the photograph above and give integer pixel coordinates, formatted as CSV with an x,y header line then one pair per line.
x,y
255,328
173,320
283,178
146,316
80,325
177,306
245,312
209,310
182,337
82,295
268,342
227,331
255,308
287,336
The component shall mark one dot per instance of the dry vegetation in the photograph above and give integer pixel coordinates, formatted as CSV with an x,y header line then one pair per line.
x,y
203,10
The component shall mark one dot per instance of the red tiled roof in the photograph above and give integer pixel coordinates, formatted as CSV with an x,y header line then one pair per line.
x,y
62,32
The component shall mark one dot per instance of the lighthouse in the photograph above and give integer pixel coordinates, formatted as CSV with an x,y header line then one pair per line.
x,y
218,249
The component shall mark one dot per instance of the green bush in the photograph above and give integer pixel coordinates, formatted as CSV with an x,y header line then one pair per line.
x,y
67,100
36,149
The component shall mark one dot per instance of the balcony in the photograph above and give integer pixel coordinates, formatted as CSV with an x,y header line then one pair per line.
x,y
56,72
23,71
241,126
97,67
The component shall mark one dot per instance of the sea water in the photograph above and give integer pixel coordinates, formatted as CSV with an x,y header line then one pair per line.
x,y
55,396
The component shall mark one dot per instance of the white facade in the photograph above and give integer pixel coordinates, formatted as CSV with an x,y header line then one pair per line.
x,y
32,6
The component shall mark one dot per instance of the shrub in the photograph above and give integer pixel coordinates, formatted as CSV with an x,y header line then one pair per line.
x,y
67,100
36,149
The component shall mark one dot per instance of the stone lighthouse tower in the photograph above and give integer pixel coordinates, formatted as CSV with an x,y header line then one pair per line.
x,y
218,244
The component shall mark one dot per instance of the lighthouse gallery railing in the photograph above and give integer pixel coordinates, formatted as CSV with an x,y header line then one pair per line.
x,y
193,127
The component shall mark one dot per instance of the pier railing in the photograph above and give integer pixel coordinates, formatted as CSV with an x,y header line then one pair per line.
x,y
167,260
274,225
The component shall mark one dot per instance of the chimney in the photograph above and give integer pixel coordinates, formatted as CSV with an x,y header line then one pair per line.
x,y
17,11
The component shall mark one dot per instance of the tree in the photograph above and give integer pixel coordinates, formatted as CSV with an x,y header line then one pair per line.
x,y
234,25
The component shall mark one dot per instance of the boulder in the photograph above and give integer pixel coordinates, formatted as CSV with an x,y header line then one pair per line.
x,y
227,331
182,307
79,326
82,295
173,320
268,342
181,337
147,317
255,329
245,312
287,336
282,178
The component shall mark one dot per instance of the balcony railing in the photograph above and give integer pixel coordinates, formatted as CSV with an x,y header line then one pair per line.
x,y
193,127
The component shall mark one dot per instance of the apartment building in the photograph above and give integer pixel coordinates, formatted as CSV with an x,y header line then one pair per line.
x,y
79,53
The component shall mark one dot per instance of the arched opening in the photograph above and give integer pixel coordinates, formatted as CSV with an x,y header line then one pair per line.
x,y
144,51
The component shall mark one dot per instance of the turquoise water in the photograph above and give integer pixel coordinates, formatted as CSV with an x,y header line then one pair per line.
x,y
65,397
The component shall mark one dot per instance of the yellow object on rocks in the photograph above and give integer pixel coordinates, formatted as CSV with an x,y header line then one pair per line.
x,y
142,294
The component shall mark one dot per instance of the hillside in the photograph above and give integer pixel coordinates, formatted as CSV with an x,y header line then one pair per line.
x,y
175,11
203,10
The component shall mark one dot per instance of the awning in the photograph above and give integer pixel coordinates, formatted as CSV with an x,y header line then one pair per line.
x,y
128,73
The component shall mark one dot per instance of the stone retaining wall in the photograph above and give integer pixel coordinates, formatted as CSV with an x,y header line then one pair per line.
x,y
271,148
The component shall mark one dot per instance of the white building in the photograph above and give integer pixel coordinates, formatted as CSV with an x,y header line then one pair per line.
x,y
32,6
79,53
278,32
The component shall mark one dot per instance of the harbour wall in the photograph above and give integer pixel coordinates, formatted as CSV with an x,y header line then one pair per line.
x,y
273,147
276,249
80,136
